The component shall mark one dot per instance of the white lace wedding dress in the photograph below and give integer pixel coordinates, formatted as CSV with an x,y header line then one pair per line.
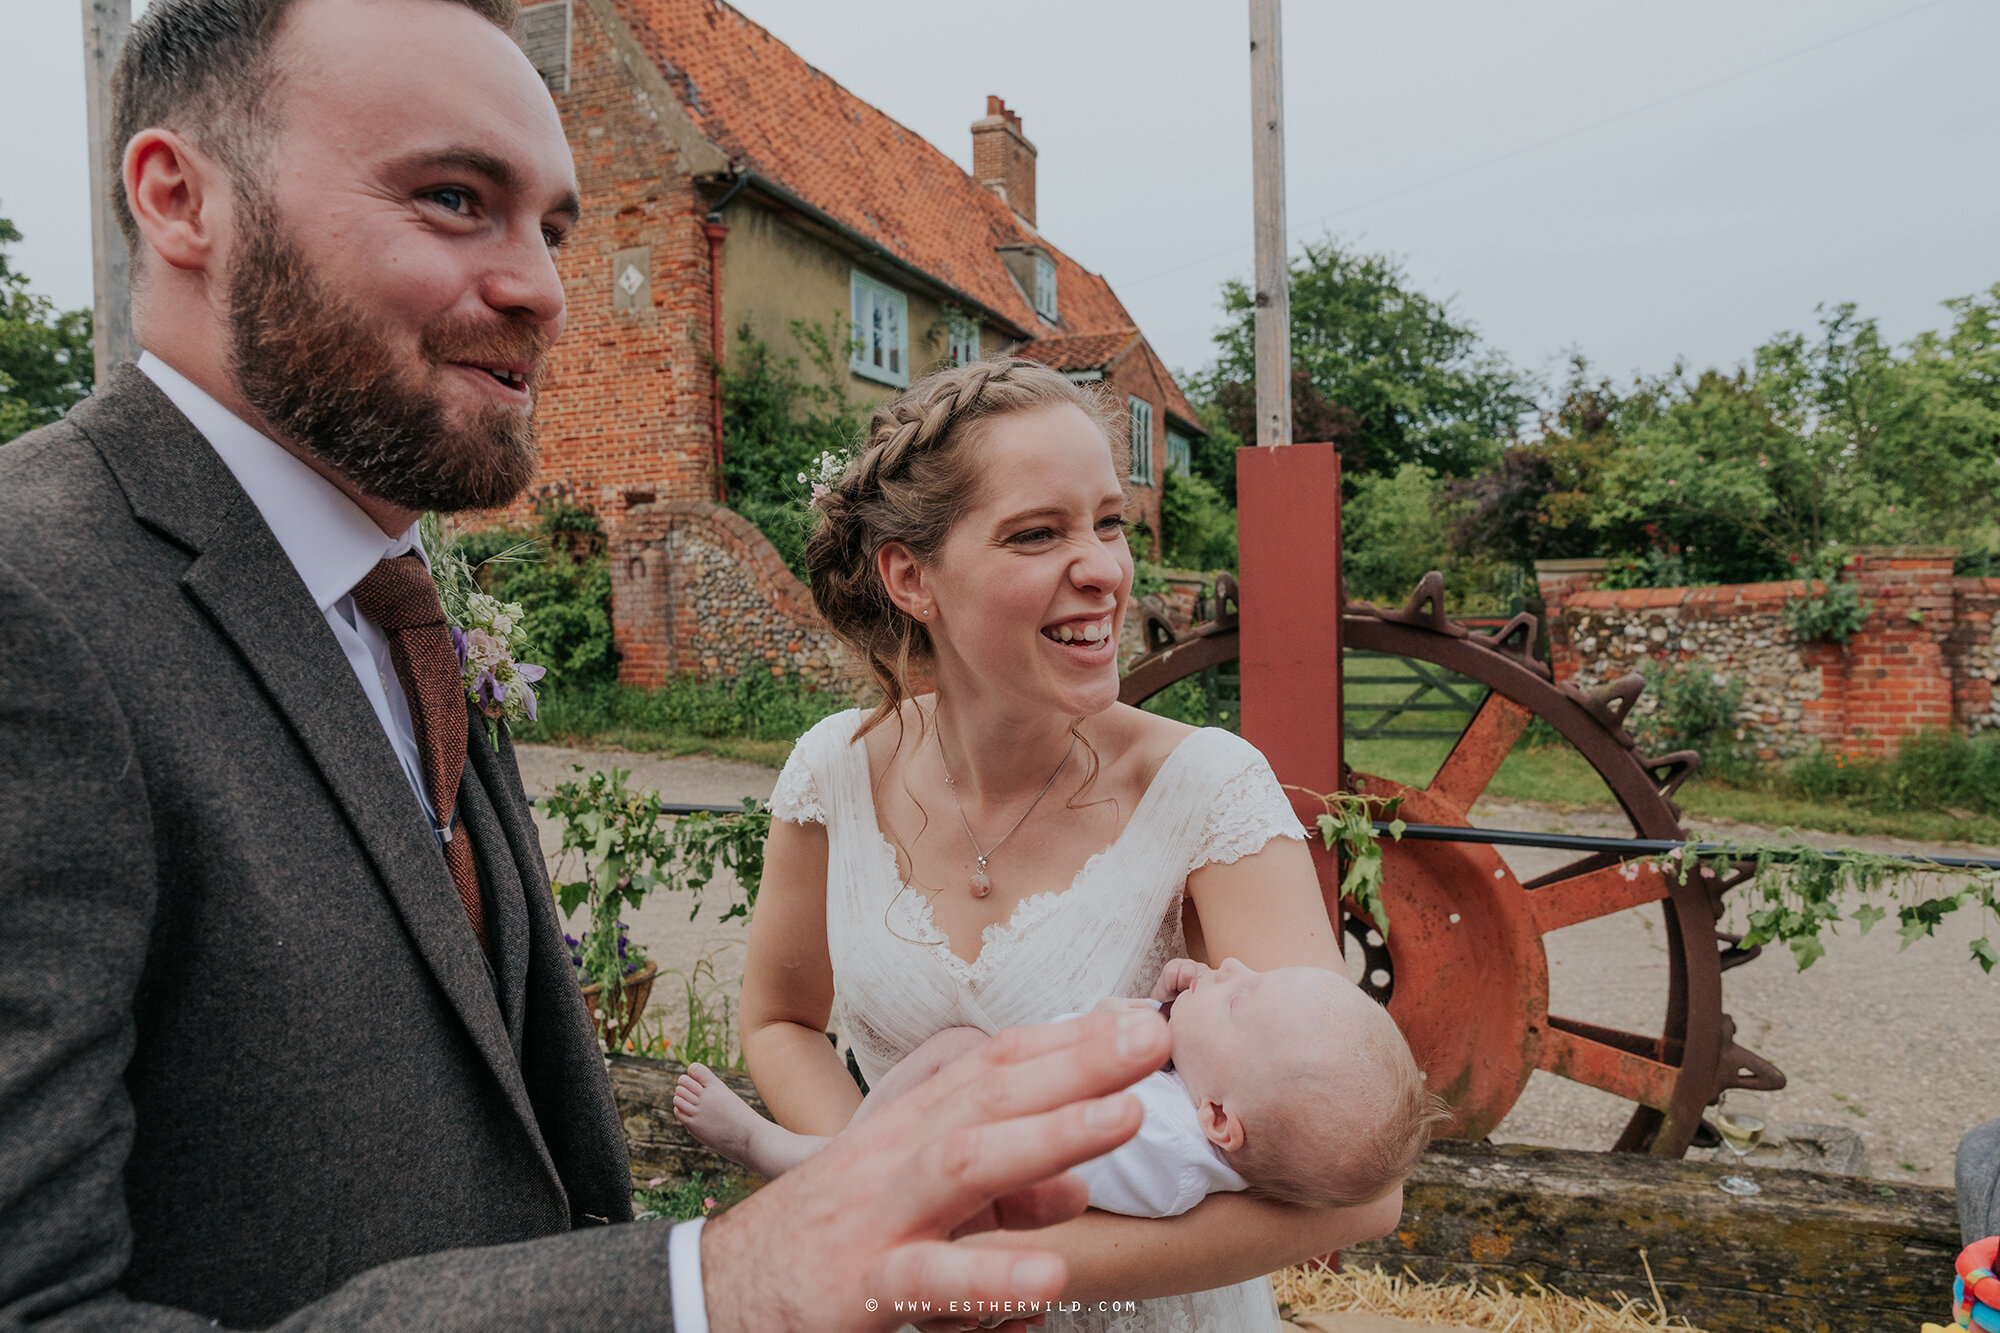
x,y
897,981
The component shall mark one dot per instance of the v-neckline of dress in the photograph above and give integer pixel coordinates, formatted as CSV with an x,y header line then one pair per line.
x,y
1029,910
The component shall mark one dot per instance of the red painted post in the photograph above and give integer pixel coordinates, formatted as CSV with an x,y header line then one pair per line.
x,y
1288,515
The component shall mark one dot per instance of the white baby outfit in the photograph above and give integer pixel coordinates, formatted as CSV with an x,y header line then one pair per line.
x,y
897,981
1169,1166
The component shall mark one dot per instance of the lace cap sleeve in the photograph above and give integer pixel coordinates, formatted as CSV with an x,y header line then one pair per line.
x,y
796,798
1249,808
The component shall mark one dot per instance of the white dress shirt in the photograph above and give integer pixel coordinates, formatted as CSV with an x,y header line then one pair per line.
x,y
333,545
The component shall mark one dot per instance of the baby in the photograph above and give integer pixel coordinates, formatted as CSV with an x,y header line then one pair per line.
x,y
1291,1084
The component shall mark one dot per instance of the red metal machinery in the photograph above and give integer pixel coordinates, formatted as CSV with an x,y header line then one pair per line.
x,y
1464,971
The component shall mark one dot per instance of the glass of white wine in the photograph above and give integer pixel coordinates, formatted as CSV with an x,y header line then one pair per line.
x,y
1740,1133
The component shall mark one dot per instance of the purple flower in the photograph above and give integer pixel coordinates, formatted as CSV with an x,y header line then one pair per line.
x,y
529,672
489,694
528,700
458,645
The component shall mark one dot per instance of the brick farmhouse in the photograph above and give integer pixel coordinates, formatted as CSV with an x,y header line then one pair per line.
x,y
729,185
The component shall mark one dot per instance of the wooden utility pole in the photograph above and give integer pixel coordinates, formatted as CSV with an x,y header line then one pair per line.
x,y
1267,160
105,25
1288,510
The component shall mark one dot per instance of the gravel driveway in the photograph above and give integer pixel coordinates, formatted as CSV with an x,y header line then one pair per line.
x,y
1878,1039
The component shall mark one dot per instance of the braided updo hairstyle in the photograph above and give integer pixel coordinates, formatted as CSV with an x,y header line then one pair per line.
x,y
916,473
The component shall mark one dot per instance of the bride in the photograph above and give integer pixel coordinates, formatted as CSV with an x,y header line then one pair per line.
x,y
1001,841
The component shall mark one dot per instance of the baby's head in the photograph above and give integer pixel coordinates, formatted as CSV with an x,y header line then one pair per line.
x,y
1303,1082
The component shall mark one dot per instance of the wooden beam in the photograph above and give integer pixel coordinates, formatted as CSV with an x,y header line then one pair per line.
x,y
1810,1252
105,26
644,1090
1273,312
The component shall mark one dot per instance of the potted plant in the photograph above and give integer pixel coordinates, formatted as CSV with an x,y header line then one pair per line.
x,y
622,842
632,992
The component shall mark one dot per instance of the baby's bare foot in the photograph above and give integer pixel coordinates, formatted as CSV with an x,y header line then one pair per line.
x,y
712,1112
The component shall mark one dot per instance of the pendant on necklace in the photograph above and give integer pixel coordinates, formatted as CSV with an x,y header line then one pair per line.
x,y
981,885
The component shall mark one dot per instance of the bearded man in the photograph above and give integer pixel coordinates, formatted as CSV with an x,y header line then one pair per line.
x,y
288,1031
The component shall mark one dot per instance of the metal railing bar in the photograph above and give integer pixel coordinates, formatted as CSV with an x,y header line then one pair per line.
x,y
1578,842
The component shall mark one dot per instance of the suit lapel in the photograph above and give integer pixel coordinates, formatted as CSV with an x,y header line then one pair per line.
x,y
242,578
506,876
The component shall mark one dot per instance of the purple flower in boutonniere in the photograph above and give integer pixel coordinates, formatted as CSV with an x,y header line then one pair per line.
x,y
488,645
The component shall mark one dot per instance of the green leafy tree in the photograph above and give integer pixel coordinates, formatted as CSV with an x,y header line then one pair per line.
x,y
1939,444
1198,525
45,356
1705,479
1213,456
1394,530
1389,374
1820,441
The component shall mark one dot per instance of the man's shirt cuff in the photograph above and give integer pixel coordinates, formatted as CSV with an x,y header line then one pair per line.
x,y
684,1276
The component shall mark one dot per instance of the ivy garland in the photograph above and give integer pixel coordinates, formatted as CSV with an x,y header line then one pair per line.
x,y
1799,893
1348,818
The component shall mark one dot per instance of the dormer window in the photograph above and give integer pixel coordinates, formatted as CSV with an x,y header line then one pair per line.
x,y
881,317
1045,287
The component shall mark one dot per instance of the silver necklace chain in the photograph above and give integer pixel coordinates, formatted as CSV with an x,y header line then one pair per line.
x,y
980,883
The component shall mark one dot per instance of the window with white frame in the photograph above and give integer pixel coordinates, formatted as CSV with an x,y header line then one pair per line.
x,y
881,317
1139,428
964,342
1180,454
1045,287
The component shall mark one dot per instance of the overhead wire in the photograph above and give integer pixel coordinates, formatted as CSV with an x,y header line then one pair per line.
x,y
1538,144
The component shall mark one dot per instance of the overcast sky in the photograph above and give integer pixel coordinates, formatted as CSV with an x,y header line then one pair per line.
x,y
1718,167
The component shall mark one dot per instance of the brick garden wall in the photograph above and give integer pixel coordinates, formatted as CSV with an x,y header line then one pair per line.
x,y
1926,659
697,590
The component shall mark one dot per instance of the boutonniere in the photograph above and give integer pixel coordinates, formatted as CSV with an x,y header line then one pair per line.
x,y
487,633
489,642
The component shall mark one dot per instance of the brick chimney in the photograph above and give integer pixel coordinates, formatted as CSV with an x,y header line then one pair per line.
x,y
1002,158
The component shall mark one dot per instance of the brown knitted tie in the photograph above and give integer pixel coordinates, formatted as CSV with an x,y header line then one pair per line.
x,y
399,597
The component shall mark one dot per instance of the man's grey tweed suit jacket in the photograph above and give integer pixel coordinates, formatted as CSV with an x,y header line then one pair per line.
x,y
253,1064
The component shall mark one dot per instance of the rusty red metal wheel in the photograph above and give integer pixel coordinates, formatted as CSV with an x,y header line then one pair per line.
x,y
1464,970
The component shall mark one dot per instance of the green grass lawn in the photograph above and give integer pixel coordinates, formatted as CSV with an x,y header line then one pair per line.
x,y
1558,775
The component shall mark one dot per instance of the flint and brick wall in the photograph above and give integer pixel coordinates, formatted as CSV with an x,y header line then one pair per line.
x,y
697,590
1927,657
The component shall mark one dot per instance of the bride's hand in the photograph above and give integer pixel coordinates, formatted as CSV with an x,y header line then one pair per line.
x,y
1177,976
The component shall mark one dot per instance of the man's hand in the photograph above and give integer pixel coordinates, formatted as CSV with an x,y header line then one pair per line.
x,y
1177,976
838,1242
